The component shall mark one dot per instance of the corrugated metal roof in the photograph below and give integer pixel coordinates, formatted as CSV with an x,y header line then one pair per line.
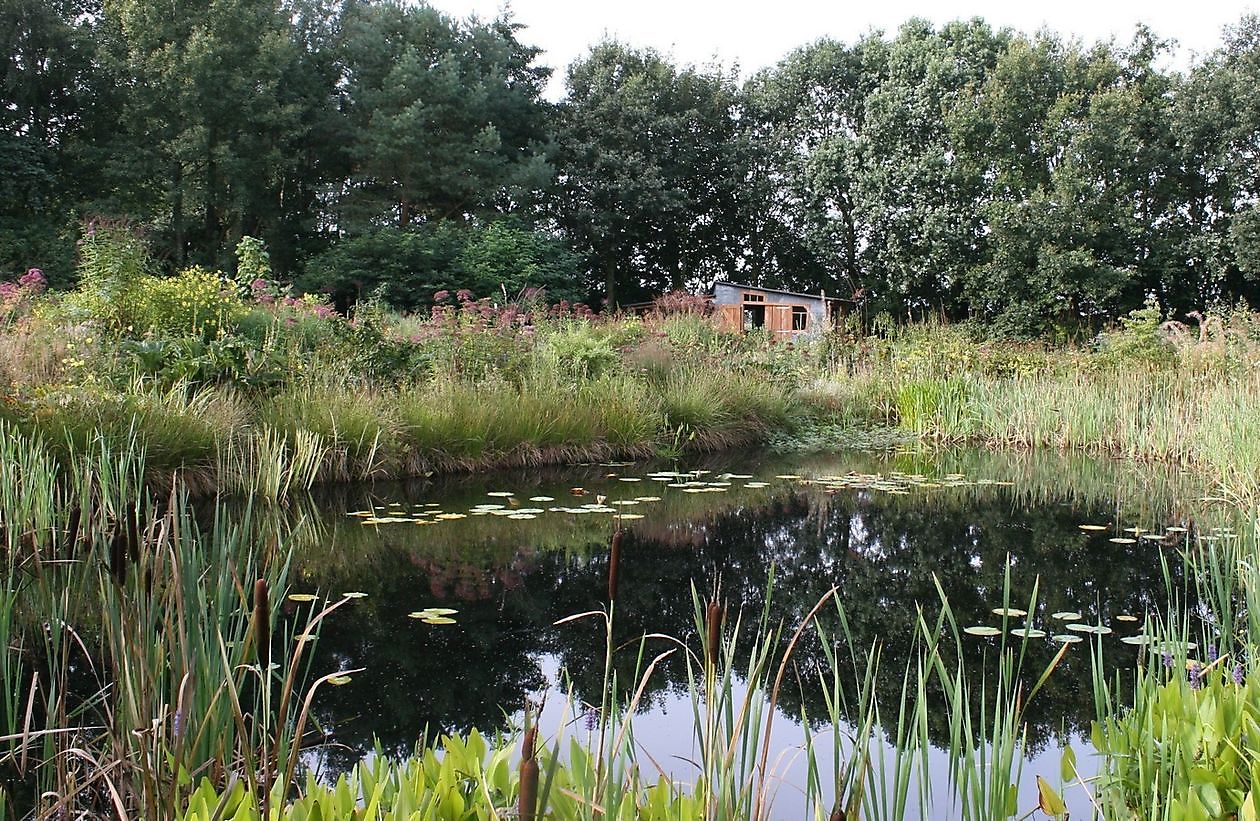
x,y
778,291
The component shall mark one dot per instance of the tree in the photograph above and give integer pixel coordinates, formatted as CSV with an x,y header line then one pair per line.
x,y
224,96
1216,120
647,172
801,127
51,92
445,119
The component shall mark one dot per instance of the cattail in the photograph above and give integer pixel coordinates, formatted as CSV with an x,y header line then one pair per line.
x,y
133,533
72,527
713,617
118,557
527,800
262,624
614,559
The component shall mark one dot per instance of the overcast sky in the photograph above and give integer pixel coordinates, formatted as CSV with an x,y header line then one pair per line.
x,y
755,35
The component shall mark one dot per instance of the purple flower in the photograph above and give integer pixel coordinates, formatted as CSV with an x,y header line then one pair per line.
x,y
1168,659
1239,676
441,296
464,295
8,291
1196,681
591,719
1211,653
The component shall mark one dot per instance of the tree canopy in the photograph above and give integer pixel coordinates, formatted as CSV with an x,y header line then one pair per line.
x,y
1030,182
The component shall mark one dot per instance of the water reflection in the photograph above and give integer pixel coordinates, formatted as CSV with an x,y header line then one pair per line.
x,y
511,580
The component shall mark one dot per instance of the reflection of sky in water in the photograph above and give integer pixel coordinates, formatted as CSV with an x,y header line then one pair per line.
x,y
512,579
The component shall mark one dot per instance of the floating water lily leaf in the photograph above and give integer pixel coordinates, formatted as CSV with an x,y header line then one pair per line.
x,y
302,597
448,516
982,630
542,498
429,522
441,611
1176,529
1066,638
1029,633
757,484
1092,528
302,638
438,620
487,507
629,479
647,498
630,516
1065,615
1126,617
354,594
787,476
1138,640
625,502
361,513
523,516
577,491
337,681
1096,629
1012,612
1122,540
502,494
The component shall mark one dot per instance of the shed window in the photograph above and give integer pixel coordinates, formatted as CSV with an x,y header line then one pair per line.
x,y
800,318
754,297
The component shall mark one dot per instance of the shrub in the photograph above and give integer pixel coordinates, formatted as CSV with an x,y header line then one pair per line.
x,y
1139,342
196,302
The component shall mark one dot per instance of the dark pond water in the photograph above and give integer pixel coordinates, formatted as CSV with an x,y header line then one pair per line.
x,y
880,527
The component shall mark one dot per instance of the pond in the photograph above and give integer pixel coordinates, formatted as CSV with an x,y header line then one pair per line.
x,y
510,554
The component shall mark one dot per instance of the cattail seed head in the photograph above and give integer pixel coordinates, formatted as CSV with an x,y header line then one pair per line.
x,y
527,800
262,624
713,620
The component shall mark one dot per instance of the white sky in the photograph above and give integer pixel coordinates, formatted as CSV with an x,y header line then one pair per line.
x,y
757,34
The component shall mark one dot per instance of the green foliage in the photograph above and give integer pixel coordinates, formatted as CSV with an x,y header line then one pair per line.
x,y
195,303
1188,749
252,263
1139,342
114,265
407,267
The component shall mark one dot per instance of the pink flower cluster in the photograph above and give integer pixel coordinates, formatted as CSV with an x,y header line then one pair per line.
x,y
29,285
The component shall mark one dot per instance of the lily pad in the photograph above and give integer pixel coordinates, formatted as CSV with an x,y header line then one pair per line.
x,y
337,681
1065,615
1122,540
502,494
982,630
302,597
1126,617
354,594
1092,528
1010,612
1066,638
1029,633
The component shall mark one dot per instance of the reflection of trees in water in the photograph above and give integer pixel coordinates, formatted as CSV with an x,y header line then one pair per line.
x,y
881,551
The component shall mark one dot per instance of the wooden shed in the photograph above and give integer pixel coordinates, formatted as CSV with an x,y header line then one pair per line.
x,y
786,314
